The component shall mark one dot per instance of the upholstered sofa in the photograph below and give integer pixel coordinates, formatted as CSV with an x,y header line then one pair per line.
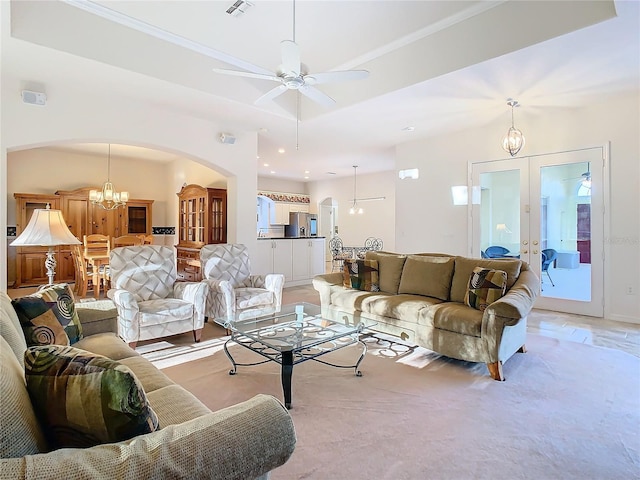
x,y
245,441
421,299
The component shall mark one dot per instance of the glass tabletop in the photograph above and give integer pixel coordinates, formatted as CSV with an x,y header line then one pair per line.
x,y
296,326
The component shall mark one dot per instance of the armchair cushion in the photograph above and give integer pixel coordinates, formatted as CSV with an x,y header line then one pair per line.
x,y
154,312
83,399
49,316
253,297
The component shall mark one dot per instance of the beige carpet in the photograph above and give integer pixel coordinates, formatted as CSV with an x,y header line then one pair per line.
x,y
566,411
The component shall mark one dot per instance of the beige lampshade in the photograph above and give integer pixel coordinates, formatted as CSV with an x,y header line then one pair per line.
x,y
46,228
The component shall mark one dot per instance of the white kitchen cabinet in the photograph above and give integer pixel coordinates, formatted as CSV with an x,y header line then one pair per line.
x,y
299,207
279,213
273,256
298,259
308,258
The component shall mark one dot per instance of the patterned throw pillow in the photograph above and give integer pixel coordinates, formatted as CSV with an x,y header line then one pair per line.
x,y
361,275
49,316
82,399
485,287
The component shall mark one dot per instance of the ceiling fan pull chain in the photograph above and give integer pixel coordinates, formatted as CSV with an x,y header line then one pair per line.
x,y
297,116
294,21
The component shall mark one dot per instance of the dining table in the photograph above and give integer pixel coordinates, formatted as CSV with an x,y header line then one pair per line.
x,y
99,262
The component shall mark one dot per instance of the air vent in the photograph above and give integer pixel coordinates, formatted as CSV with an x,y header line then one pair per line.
x,y
238,8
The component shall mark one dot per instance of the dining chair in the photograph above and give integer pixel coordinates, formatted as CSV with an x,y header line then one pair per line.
x,y
96,255
496,251
126,241
146,239
338,254
84,273
548,256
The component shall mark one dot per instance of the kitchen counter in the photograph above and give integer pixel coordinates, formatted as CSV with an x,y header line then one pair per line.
x,y
286,238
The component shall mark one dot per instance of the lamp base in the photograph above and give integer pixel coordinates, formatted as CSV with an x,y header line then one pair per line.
x,y
50,264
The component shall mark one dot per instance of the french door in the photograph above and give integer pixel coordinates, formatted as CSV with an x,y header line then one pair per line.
x,y
547,210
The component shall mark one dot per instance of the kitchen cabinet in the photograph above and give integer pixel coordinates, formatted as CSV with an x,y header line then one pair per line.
x,y
299,259
279,211
308,258
82,218
202,220
273,256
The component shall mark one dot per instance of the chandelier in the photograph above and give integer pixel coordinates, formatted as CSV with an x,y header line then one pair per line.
x,y
108,198
513,141
355,208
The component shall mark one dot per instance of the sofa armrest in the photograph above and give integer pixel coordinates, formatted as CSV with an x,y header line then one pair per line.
x,y
221,299
518,301
323,284
240,442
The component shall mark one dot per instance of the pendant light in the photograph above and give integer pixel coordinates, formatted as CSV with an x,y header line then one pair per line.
x,y
108,198
513,141
354,207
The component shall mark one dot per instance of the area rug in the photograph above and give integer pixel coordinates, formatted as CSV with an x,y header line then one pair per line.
x,y
565,411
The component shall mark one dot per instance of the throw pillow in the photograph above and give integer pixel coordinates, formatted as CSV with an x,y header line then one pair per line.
x,y
485,287
428,276
48,317
361,275
82,399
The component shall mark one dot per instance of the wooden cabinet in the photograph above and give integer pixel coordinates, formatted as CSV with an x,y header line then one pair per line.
x,y
82,218
202,220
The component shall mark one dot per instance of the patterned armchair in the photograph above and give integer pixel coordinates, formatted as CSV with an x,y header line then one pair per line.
x,y
150,303
232,288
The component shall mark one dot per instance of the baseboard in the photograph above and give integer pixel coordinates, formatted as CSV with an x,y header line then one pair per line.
x,y
623,318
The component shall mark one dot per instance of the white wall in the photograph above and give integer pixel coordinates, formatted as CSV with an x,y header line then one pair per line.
x,y
427,220
70,117
269,184
378,219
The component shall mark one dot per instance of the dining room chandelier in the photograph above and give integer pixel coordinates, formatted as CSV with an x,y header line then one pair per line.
x,y
513,141
354,207
108,198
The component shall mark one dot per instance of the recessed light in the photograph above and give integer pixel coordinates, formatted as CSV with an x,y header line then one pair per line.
x,y
263,130
408,129
306,177
257,156
281,150
265,164
306,171
272,171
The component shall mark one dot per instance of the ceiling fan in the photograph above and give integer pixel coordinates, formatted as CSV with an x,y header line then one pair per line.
x,y
585,177
291,74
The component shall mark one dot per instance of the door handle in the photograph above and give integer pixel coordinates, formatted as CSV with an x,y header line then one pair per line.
x,y
535,242
535,252
525,251
525,242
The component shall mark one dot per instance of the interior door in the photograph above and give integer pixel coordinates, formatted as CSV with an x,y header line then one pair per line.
x,y
531,207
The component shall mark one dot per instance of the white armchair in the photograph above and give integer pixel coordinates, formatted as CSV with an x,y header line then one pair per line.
x,y
232,289
150,303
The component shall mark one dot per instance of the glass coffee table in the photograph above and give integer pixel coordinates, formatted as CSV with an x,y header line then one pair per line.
x,y
297,333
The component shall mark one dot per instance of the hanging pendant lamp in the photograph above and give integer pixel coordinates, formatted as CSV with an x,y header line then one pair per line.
x,y
354,207
108,198
513,141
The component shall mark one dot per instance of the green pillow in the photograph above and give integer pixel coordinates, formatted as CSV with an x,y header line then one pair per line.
x,y
361,275
39,312
82,399
485,287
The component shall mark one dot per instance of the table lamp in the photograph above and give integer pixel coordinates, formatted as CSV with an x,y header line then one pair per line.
x,y
46,228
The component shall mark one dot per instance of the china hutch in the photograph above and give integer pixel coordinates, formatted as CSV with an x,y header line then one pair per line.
x,y
202,219
82,218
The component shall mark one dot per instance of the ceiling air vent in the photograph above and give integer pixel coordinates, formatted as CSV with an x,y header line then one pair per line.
x,y
238,8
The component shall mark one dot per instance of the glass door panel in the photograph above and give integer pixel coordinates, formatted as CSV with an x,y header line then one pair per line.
x,y
570,225
547,209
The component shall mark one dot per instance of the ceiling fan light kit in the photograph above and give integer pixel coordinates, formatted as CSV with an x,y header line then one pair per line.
x,y
514,140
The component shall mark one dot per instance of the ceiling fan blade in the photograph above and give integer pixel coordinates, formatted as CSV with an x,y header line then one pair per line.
x,y
271,94
317,96
340,76
290,57
239,73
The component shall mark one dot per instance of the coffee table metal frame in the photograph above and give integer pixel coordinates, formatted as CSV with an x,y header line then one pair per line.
x,y
294,335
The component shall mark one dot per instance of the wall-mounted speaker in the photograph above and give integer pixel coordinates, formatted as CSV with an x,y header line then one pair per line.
x,y
227,138
34,98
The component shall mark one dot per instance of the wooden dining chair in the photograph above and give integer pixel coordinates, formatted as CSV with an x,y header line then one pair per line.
x,y
146,239
84,273
126,241
96,244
